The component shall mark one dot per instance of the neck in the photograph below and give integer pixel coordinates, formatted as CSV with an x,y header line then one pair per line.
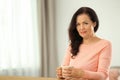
x,y
89,40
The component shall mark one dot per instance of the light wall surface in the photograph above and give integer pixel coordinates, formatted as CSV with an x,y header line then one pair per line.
x,y
108,12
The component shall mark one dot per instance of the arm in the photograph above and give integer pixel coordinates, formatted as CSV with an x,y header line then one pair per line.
x,y
103,65
65,62
66,59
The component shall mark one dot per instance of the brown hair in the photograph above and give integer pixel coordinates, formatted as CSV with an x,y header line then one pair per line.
x,y
74,37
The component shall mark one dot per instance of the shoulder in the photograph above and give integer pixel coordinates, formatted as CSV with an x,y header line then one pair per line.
x,y
105,42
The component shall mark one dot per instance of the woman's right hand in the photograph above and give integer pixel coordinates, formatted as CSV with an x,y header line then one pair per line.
x,y
59,73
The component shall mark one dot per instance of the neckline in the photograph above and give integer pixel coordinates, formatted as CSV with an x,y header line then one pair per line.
x,y
92,43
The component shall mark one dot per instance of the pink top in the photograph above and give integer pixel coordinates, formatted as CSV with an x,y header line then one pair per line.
x,y
94,59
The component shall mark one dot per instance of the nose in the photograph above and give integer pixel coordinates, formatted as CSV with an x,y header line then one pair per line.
x,y
81,27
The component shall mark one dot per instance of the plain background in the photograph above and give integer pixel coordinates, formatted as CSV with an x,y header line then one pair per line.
x,y
108,12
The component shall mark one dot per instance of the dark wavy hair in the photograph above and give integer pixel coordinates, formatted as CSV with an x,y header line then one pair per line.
x,y
74,37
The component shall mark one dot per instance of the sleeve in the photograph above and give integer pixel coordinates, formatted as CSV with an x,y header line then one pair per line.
x,y
105,59
66,59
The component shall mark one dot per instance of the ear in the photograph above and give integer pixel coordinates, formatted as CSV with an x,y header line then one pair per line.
x,y
94,24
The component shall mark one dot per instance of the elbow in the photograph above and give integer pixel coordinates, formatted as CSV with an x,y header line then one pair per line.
x,y
103,77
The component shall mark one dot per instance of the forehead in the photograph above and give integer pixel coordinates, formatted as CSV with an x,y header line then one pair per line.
x,y
83,17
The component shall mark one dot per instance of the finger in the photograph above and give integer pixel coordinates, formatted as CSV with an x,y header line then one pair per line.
x,y
59,71
66,71
67,75
59,67
59,75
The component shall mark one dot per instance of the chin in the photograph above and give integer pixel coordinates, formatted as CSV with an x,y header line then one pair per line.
x,y
83,36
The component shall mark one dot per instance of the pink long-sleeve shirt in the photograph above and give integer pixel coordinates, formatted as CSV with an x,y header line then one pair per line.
x,y
91,58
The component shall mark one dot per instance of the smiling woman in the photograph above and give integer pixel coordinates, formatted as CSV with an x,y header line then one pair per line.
x,y
109,23
88,56
85,26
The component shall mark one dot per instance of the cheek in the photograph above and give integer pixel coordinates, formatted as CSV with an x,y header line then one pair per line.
x,y
91,29
77,28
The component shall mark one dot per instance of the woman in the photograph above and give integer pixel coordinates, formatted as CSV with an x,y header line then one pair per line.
x,y
88,55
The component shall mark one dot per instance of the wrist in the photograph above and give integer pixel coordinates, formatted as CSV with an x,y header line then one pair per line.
x,y
81,73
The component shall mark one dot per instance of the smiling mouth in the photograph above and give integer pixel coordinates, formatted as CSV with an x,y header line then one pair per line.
x,y
83,32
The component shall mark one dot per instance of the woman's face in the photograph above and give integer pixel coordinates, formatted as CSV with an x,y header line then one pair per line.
x,y
85,26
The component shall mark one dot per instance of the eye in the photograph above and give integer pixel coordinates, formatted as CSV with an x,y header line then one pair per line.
x,y
77,24
85,23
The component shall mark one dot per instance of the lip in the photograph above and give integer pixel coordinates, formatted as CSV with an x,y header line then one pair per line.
x,y
83,32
